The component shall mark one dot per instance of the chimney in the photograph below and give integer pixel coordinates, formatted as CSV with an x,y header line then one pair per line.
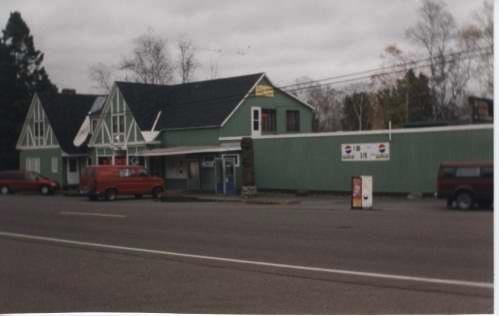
x,y
69,91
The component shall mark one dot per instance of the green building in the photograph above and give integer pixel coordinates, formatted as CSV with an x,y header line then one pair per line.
x,y
50,127
190,133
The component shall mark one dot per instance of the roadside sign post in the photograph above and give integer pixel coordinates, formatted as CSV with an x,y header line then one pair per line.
x,y
362,192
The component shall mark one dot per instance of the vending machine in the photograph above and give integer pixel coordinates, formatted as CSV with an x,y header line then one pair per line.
x,y
362,192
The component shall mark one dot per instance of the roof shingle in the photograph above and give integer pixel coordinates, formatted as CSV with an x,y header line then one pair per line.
x,y
66,113
189,105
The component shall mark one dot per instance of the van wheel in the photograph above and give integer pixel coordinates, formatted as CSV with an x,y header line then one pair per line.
x,y
4,190
44,190
111,194
156,192
93,197
138,196
464,200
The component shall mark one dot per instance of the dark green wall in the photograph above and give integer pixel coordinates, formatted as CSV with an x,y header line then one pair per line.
x,y
190,137
45,156
314,163
239,123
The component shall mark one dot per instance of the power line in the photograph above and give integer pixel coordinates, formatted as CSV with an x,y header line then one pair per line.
x,y
334,80
395,66
326,82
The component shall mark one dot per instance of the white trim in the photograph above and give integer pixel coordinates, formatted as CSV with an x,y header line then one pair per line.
x,y
237,162
229,138
101,118
290,95
37,148
252,121
377,132
135,132
193,127
242,101
156,121
129,132
64,154
128,145
190,151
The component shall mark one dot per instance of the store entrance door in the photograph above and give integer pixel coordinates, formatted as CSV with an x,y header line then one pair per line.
x,y
229,168
193,179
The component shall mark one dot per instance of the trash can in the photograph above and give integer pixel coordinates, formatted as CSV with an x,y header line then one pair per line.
x,y
362,192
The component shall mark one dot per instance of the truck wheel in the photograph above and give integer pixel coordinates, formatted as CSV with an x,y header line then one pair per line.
x,y
156,192
464,200
111,194
4,190
44,190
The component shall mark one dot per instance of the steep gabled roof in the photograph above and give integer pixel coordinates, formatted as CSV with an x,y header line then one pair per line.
x,y
189,105
66,113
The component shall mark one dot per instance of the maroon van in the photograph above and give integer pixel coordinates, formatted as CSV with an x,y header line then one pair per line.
x,y
14,181
466,183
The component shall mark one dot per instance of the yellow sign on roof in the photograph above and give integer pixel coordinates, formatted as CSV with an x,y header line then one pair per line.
x,y
263,90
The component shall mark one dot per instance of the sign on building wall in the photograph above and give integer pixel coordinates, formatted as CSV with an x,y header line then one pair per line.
x,y
264,91
365,152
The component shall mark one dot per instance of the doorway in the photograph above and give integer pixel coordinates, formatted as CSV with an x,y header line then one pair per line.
x,y
72,171
229,172
193,178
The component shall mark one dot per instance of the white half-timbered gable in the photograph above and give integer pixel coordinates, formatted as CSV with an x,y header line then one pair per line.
x,y
37,132
117,128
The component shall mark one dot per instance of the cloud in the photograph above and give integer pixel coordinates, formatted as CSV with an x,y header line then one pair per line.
x,y
286,39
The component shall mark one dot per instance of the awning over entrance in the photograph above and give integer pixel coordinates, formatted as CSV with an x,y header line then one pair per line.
x,y
186,150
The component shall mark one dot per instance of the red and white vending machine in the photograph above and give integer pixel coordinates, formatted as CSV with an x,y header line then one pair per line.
x,y
362,192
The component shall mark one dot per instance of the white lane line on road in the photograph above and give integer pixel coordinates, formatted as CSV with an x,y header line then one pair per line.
x,y
92,214
255,263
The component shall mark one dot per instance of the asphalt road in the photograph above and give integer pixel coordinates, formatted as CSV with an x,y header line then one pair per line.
x,y
318,257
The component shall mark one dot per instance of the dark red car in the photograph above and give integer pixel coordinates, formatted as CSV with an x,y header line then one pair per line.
x,y
110,181
15,181
466,183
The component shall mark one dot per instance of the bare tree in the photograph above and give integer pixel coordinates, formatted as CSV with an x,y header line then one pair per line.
x,y
102,77
326,100
150,60
187,61
213,70
435,31
484,39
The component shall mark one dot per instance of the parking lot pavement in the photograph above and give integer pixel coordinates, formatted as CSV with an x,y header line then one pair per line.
x,y
318,257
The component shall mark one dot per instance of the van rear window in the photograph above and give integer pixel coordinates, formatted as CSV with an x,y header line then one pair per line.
x,y
468,172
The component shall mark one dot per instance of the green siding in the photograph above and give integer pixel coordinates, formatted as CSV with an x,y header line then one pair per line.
x,y
190,137
45,156
314,163
239,123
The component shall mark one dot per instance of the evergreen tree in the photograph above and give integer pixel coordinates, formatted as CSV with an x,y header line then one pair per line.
x,y
21,75
419,101
27,59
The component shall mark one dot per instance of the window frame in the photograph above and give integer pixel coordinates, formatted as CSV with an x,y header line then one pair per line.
x,y
54,165
256,119
296,117
272,121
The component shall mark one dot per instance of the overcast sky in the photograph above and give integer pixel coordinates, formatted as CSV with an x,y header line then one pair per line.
x,y
286,39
